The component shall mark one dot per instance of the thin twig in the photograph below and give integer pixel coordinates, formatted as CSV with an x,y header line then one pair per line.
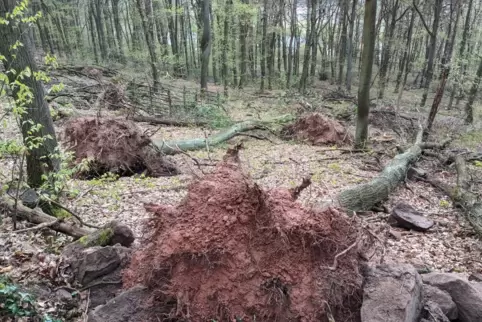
x,y
38,227
335,262
20,177
71,212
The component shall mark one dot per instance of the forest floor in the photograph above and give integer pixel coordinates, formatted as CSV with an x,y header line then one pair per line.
x,y
449,246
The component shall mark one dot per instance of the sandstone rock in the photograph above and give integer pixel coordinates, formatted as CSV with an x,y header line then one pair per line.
x,y
408,217
126,307
433,313
463,293
391,293
442,299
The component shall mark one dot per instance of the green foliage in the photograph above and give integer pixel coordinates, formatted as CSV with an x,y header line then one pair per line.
x,y
216,117
17,304
10,148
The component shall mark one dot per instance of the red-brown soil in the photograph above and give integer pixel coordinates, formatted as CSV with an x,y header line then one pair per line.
x,y
231,251
318,129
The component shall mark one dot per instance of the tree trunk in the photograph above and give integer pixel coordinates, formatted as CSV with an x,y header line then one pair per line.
x,y
462,66
243,34
40,160
405,58
364,196
342,46
469,112
263,44
432,49
366,73
118,28
445,73
205,45
148,25
229,5
349,54
386,52
290,47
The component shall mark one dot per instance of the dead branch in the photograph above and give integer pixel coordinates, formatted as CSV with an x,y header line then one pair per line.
x,y
35,228
161,121
335,262
37,216
295,192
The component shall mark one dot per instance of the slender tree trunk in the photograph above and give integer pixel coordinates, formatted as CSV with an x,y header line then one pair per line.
x,y
205,45
342,46
405,57
290,47
431,54
462,66
92,33
369,35
469,111
263,44
40,160
229,5
386,52
349,54
243,35
234,55
118,28
148,26
99,22
445,72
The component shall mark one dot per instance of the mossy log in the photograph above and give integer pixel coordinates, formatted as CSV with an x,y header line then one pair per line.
x,y
180,146
364,196
110,234
38,216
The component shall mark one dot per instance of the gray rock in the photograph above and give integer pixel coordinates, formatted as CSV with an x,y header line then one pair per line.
x,y
433,313
463,293
442,299
100,261
127,307
408,217
391,293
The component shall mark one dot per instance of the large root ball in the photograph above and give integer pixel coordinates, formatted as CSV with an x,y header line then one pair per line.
x,y
115,145
231,251
318,129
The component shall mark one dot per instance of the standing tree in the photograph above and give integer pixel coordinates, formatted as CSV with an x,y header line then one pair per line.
x,y
366,73
469,117
28,93
205,45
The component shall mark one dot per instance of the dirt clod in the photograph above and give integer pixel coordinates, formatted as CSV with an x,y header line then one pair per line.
x,y
318,129
231,251
114,145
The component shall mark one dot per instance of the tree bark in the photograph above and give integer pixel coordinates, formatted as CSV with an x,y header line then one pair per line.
x,y
349,53
264,44
366,73
40,160
145,11
445,73
342,46
469,111
205,45
364,196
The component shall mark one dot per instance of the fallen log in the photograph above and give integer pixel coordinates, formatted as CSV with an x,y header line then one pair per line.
x,y
180,146
161,121
37,216
364,196
462,196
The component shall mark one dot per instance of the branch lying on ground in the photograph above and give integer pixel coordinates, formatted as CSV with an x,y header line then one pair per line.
x,y
461,196
161,121
35,228
175,147
37,216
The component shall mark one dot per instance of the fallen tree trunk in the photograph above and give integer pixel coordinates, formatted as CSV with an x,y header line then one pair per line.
x,y
180,146
37,216
161,121
461,196
364,196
